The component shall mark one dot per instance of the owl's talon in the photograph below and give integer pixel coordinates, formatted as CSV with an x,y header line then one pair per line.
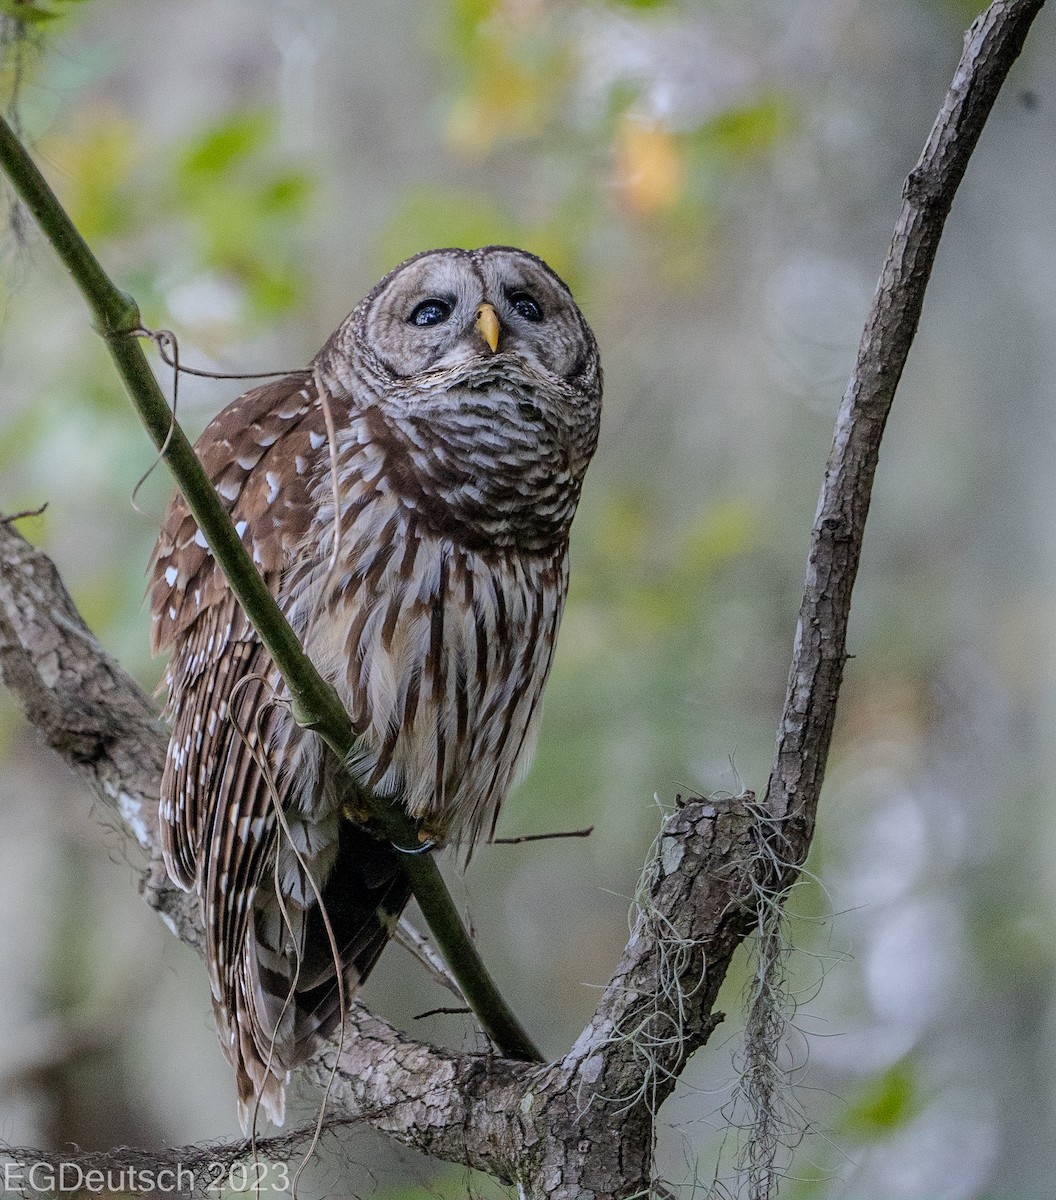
x,y
422,849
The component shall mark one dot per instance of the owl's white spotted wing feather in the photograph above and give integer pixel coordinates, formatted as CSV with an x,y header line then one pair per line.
x,y
194,611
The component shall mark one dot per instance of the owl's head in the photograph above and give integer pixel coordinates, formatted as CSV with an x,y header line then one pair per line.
x,y
444,309
476,376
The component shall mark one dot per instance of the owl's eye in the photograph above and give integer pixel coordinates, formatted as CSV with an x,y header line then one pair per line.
x,y
430,312
526,306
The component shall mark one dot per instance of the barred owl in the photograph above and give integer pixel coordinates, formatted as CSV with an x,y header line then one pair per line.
x,y
408,501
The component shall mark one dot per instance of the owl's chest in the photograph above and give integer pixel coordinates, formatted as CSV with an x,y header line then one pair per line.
x,y
440,654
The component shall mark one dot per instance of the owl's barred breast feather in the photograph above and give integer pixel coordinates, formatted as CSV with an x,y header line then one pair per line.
x,y
449,491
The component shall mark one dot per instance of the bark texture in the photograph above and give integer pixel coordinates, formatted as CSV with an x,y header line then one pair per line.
x,y
581,1127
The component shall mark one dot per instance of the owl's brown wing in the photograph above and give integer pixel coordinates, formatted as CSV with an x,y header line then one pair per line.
x,y
218,808
271,961
260,453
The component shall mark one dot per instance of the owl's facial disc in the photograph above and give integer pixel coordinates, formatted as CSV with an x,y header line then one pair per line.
x,y
448,308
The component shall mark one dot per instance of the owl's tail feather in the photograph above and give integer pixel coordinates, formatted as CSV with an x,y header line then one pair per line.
x,y
288,996
261,1084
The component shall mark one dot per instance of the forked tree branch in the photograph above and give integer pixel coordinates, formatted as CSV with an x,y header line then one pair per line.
x,y
581,1127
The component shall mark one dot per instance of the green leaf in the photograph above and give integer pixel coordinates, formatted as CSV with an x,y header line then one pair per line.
x,y
886,1104
286,194
467,17
230,141
33,13
750,129
243,203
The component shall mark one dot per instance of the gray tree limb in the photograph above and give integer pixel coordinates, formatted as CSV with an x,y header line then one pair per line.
x,y
581,1127
991,46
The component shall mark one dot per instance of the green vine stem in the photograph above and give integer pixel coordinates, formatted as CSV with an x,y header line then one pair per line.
x,y
316,704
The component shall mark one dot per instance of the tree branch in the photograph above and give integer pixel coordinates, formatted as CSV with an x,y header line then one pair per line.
x,y
992,45
581,1127
89,710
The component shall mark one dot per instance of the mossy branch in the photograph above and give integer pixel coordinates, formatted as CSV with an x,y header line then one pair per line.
x,y
315,703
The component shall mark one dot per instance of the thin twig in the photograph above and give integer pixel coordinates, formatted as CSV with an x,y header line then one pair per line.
x,y
436,1012
10,518
161,337
541,837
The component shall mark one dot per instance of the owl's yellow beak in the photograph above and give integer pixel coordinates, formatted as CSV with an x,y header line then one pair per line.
x,y
488,324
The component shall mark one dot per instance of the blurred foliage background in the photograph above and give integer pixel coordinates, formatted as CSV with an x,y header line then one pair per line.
x,y
717,181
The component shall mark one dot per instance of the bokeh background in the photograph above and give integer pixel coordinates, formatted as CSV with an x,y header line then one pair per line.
x,y
717,181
